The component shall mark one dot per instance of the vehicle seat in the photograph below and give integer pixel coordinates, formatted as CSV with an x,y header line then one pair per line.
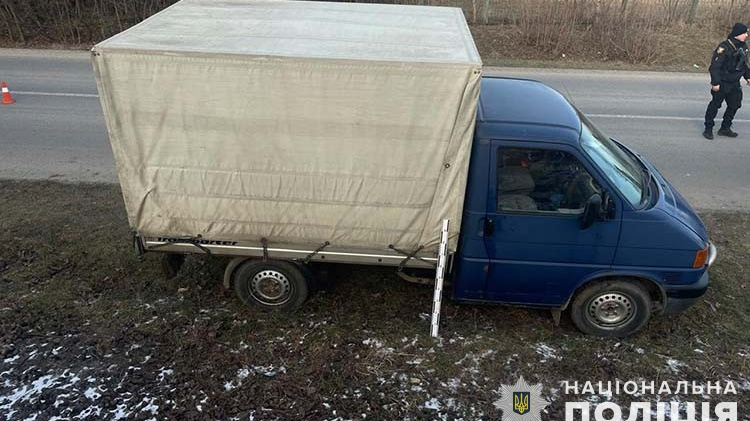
x,y
515,185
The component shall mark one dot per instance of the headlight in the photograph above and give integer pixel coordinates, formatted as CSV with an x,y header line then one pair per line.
x,y
712,254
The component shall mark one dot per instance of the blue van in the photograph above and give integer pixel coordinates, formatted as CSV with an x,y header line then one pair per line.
x,y
558,215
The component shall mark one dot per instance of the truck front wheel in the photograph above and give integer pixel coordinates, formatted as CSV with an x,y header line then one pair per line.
x,y
271,285
611,309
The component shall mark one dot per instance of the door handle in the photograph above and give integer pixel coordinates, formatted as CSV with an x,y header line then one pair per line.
x,y
489,227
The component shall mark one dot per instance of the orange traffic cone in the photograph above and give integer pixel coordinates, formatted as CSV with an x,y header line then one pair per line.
x,y
7,99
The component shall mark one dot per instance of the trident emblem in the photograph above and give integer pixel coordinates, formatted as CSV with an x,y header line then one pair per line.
x,y
521,402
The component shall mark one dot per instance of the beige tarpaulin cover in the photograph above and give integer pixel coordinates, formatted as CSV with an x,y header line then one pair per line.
x,y
301,122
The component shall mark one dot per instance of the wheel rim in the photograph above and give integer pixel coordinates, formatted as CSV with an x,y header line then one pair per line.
x,y
271,287
611,310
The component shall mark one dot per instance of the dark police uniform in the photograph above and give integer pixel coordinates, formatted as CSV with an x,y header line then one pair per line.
x,y
728,64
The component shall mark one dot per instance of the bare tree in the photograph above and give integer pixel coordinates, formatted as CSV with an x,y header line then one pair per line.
x,y
693,11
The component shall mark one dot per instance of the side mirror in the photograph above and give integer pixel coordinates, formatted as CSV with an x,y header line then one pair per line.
x,y
608,207
592,211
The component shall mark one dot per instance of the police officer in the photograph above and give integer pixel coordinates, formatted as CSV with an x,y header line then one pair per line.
x,y
728,64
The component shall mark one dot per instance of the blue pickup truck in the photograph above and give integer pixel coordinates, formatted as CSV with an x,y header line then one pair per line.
x,y
314,141
559,215
556,215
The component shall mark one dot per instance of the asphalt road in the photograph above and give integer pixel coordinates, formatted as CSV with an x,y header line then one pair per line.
x,y
56,129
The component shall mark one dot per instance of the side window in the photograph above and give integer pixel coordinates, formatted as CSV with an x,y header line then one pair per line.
x,y
538,180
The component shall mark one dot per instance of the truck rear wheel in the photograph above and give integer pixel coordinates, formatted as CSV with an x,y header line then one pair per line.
x,y
611,309
271,285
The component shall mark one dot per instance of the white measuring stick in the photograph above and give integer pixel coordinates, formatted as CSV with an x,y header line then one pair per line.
x,y
437,298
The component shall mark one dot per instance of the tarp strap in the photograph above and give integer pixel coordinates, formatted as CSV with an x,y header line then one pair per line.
x,y
317,250
264,242
409,256
140,250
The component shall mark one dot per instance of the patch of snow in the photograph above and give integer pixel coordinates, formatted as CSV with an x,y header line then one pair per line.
x,y
59,400
674,365
88,412
11,359
26,393
547,352
594,399
433,404
269,371
120,412
454,384
163,373
199,407
92,394
373,343
150,406
474,360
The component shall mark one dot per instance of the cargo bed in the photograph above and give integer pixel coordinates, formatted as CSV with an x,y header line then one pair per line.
x,y
292,124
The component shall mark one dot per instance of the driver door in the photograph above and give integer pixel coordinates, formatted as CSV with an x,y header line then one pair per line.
x,y
538,252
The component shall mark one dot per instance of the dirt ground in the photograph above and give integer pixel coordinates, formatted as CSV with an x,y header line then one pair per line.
x,y
87,331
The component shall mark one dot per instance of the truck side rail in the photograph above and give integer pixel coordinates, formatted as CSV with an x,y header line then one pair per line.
x,y
329,254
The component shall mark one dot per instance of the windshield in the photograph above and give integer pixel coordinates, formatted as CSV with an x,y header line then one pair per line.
x,y
623,170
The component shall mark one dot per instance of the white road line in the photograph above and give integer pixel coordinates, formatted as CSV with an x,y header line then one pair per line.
x,y
56,94
623,116
657,117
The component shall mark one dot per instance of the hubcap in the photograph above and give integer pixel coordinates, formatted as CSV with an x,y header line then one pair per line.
x,y
610,310
271,287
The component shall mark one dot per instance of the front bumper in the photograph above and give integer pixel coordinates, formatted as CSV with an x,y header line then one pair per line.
x,y
680,298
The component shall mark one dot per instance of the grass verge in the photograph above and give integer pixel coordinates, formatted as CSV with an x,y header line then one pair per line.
x,y
89,331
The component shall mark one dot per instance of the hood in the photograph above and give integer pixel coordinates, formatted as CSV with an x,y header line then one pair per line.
x,y
671,202
676,206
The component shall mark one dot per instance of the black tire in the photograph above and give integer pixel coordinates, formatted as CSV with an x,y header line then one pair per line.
x,y
310,276
613,309
272,285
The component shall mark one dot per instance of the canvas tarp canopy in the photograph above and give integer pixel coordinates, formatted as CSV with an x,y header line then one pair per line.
x,y
299,122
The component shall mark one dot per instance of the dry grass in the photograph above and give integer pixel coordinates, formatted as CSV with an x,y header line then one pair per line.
x,y
650,32
77,304
680,48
